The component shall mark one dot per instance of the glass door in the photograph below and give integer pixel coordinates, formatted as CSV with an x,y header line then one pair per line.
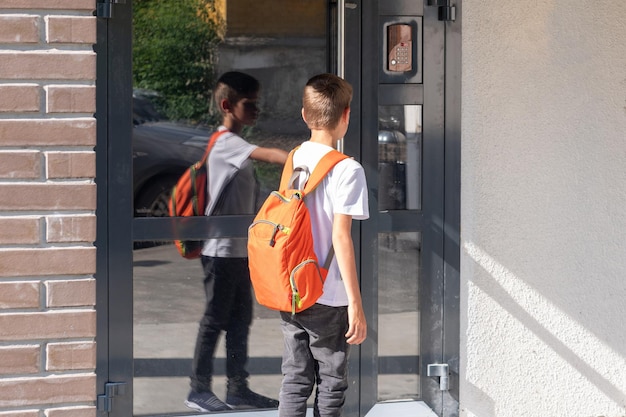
x,y
404,264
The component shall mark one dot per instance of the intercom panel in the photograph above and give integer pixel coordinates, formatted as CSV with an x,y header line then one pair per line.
x,y
400,48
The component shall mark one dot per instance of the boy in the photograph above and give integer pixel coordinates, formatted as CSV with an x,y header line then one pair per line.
x,y
232,189
317,339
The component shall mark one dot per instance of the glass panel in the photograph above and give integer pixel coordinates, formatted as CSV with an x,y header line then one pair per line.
x,y
178,53
281,43
399,157
398,315
168,304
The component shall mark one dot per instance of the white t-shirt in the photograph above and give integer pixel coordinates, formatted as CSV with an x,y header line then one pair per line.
x,y
230,169
343,191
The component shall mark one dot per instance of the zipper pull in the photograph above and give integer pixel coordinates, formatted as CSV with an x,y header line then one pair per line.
x,y
295,301
273,238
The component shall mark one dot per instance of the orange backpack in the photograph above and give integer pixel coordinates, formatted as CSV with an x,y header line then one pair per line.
x,y
284,270
188,198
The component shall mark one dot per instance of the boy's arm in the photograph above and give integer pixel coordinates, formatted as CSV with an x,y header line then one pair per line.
x,y
272,155
344,252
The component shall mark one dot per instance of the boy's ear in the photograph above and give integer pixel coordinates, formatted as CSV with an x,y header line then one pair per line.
x,y
346,114
303,117
225,106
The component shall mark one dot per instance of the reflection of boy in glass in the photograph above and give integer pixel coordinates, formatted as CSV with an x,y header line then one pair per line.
x,y
232,189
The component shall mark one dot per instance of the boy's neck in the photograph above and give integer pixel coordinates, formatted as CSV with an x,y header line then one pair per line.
x,y
232,126
324,137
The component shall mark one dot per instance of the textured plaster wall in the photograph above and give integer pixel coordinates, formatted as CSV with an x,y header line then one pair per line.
x,y
543,268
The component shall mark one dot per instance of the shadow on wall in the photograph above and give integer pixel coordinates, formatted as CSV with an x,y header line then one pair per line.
x,y
587,354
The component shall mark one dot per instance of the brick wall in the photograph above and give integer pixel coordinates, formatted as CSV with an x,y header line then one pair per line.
x,y
47,208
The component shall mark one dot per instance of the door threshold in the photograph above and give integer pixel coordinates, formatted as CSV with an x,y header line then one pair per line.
x,y
401,409
384,409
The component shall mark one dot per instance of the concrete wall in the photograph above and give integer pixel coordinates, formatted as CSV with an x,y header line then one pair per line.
x,y
282,43
283,66
47,208
543,264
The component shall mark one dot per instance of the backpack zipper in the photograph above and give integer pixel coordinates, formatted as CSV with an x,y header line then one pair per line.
x,y
276,227
295,295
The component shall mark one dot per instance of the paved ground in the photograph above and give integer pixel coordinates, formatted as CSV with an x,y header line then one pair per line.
x,y
169,300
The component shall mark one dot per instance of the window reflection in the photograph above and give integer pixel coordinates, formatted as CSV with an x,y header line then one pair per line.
x,y
282,44
399,157
168,303
398,315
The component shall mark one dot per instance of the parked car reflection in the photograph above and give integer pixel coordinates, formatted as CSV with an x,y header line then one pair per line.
x,y
162,150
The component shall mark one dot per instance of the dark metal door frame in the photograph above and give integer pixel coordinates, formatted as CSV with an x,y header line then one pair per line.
x,y
114,210
452,209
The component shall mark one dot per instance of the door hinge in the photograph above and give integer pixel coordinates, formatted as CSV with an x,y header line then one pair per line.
x,y
111,390
105,8
447,12
440,370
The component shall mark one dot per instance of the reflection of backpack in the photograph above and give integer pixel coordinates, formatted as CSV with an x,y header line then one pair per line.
x,y
188,198
284,270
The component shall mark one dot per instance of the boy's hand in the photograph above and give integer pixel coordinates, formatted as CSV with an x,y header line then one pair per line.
x,y
357,326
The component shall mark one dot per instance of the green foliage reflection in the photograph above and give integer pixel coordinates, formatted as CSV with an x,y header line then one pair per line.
x,y
174,53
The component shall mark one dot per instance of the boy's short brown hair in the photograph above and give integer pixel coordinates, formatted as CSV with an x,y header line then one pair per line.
x,y
234,86
324,100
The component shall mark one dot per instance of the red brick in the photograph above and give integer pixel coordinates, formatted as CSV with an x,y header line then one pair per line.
x,y
48,65
48,4
20,164
19,97
44,132
71,293
19,29
47,325
71,412
17,230
71,229
71,164
47,261
23,294
54,389
48,197
70,356
70,99
71,29
20,360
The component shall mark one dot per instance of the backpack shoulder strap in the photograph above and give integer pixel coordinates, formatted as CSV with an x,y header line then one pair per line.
x,y
211,143
322,168
285,178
